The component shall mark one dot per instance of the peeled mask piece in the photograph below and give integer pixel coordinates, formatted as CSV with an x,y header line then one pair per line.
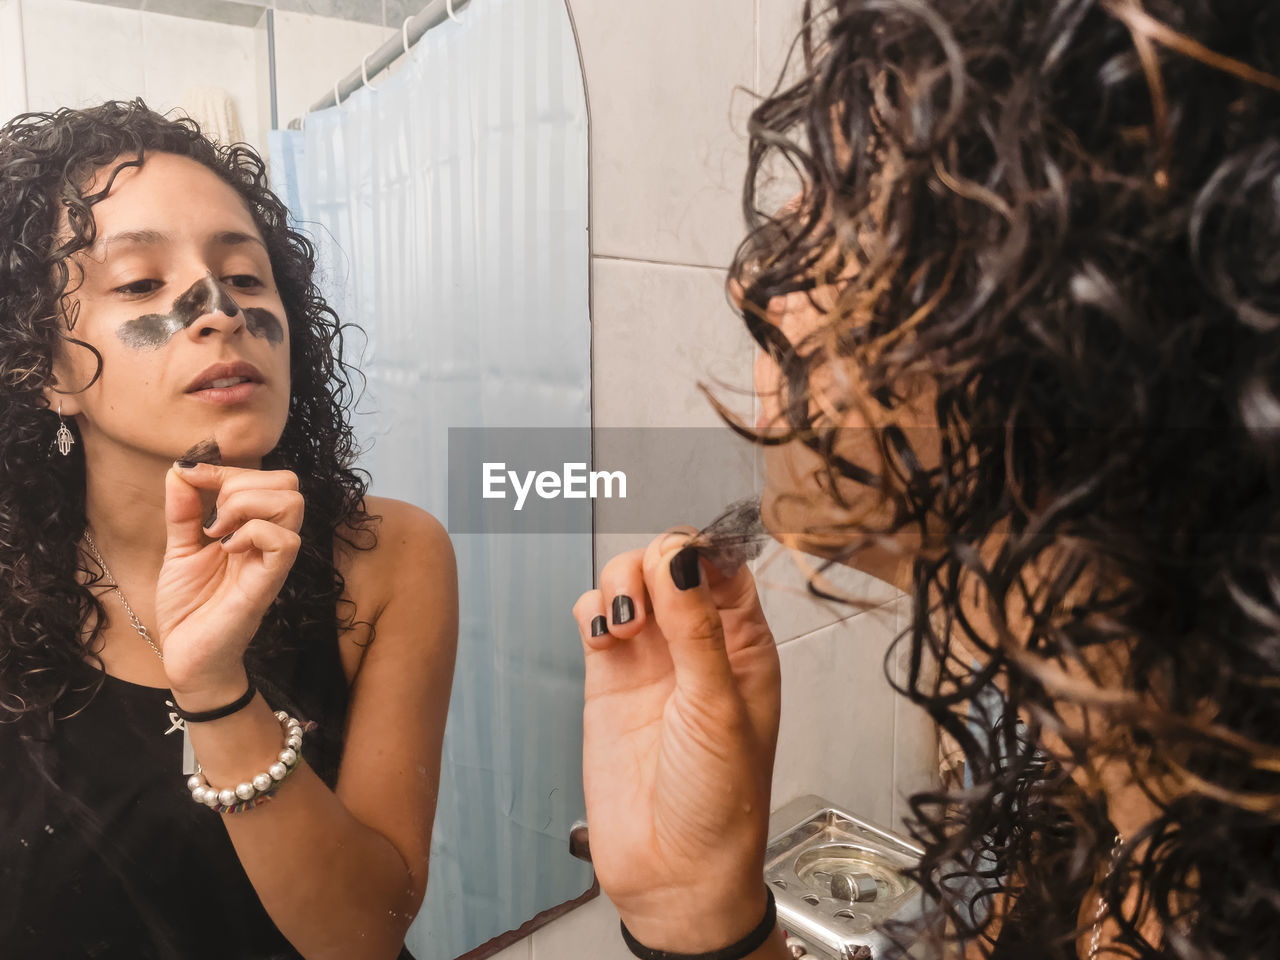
x,y
206,451
733,538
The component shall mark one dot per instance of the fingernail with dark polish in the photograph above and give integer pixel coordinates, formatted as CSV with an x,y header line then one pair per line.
x,y
228,536
213,517
685,572
599,626
186,464
624,611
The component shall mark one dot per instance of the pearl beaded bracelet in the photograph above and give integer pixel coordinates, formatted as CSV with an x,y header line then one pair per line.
x,y
259,788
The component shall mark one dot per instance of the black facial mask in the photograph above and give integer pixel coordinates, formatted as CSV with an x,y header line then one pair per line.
x,y
154,330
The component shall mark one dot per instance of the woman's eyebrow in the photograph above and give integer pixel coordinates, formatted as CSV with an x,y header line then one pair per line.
x,y
232,238
132,238
129,238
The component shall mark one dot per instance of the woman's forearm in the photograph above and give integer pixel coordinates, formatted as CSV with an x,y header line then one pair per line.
x,y
334,887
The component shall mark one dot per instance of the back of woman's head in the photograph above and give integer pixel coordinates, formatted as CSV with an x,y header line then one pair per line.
x,y
49,163
1065,215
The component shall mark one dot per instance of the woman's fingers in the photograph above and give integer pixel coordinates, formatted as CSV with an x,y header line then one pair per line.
x,y
242,495
623,593
206,476
282,507
182,509
274,547
593,621
685,612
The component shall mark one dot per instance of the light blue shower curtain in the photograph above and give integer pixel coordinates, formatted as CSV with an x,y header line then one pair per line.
x,y
449,208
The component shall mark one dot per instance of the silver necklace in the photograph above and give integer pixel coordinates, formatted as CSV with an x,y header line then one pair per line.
x,y
138,625
176,723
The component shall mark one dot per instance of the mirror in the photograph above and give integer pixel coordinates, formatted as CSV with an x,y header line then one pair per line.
x,y
448,203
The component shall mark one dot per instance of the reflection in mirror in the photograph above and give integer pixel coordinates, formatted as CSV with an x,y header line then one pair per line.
x,y
449,206
447,202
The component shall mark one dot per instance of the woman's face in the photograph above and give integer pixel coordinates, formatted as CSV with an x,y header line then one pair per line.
x,y
796,501
179,299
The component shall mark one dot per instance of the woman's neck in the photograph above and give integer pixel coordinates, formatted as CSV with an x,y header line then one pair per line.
x,y
124,504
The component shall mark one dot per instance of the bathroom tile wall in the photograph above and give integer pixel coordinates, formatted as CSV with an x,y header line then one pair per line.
x,y
13,71
668,157
129,50
248,12
79,53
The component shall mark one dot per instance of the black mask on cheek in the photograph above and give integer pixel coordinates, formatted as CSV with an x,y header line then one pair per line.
x,y
264,323
154,330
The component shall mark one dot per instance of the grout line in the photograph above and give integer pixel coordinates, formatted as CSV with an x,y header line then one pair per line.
x,y
659,263
893,753
852,616
755,46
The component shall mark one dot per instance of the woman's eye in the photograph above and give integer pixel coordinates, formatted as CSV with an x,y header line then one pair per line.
x,y
243,281
138,287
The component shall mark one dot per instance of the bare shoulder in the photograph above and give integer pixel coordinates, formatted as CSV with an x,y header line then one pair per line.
x,y
400,572
402,542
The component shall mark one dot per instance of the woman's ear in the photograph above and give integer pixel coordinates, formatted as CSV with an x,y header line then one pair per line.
x,y
66,403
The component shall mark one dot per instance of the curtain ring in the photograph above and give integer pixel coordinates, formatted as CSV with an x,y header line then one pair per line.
x,y
404,33
448,6
364,72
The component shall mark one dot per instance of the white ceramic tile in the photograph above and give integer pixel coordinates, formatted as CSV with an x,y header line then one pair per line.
x,y
915,750
778,25
657,331
782,577
836,735
370,11
13,71
262,85
588,932
182,57
666,162
241,13
520,950
313,53
80,54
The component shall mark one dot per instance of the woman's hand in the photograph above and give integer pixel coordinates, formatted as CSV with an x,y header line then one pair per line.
x,y
680,727
218,581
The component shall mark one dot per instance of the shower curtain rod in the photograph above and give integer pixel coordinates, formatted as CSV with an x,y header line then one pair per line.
x,y
432,15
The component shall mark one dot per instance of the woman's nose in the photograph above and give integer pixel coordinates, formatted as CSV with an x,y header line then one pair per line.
x,y
206,307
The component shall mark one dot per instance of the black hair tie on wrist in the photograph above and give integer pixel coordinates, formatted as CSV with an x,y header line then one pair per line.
x,y
203,716
751,942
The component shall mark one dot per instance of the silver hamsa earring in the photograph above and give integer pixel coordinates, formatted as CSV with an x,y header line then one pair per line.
x,y
64,438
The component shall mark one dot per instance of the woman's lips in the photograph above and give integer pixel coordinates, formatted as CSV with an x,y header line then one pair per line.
x,y
225,396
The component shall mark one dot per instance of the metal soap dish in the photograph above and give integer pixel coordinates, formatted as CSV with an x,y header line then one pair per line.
x,y
837,877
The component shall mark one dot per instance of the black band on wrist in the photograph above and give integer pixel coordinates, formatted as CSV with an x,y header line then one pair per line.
x,y
203,716
751,942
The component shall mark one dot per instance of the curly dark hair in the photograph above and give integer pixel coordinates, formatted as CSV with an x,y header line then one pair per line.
x,y
1065,214
46,162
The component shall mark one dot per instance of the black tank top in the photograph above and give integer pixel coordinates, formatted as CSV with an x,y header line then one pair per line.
x,y
103,853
